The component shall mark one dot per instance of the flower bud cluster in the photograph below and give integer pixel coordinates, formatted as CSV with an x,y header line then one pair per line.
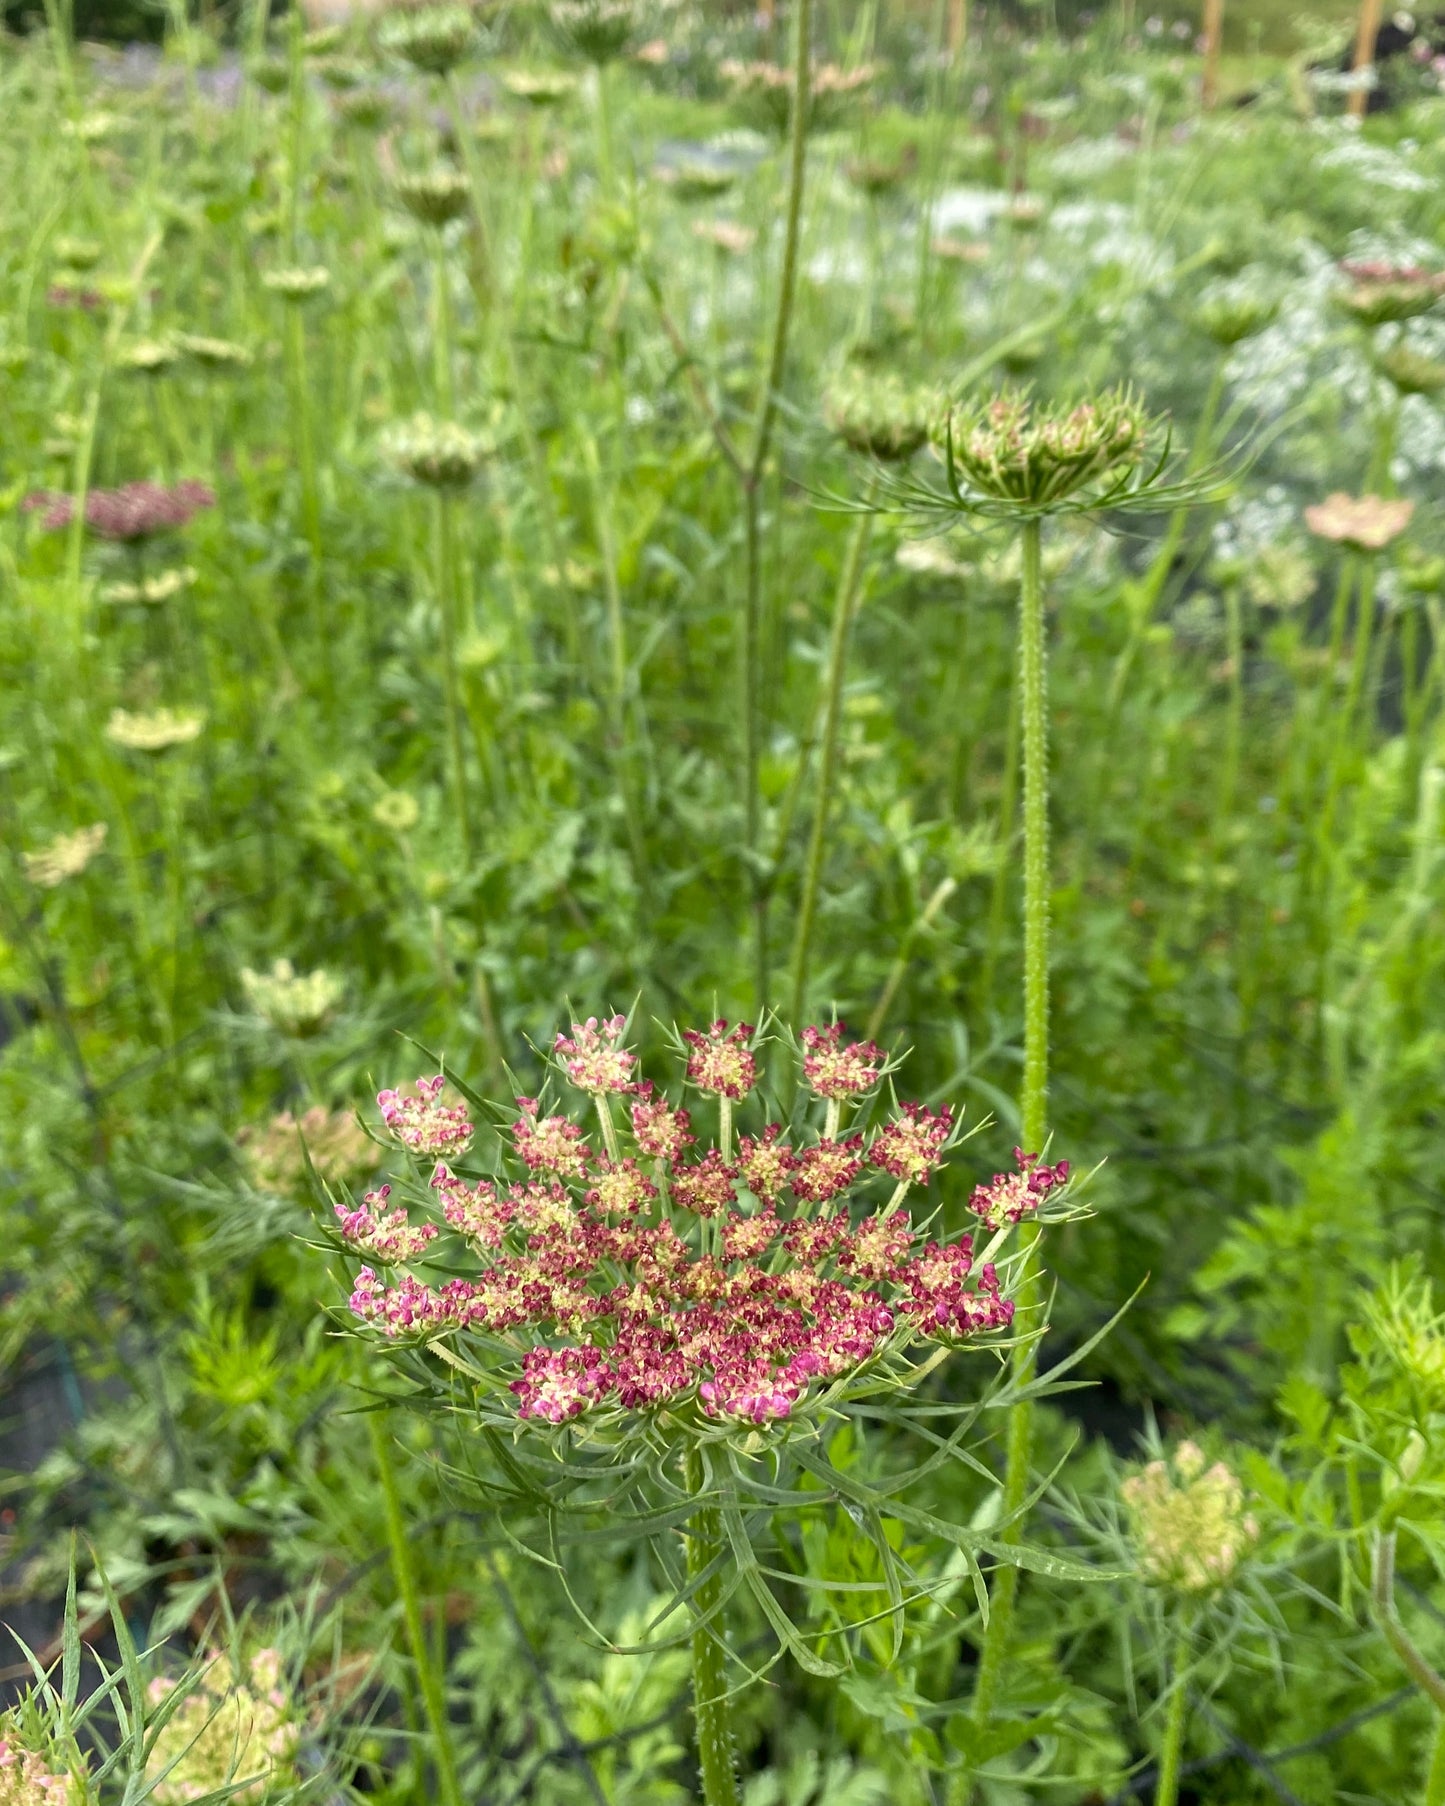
x,y
294,1003
728,1280
235,1735
1191,1528
1010,450
339,1149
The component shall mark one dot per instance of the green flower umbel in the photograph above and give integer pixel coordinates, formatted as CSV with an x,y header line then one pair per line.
x,y
1008,449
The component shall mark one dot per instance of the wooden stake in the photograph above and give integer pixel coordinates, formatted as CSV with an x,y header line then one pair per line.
x,y
1364,53
1213,34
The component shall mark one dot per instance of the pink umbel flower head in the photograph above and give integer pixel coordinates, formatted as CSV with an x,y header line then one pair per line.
x,y
705,1189
549,1144
134,511
423,1123
384,1234
910,1145
729,1285
822,1173
834,1068
660,1130
766,1163
1009,1197
593,1057
721,1060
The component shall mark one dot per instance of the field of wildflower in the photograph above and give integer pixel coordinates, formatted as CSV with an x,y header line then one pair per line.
x,y
722,905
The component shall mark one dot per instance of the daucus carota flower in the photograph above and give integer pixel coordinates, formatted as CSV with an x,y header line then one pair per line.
x,y
1412,372
439,453
432,38
1010,1197
150,590
213,354
910,1145
764,91
713,1289
298,283
384,1234
134,511
397,810
660,1129
721,1061
594,1058
726,236
148,357
597,31
154,731
1234,312
64,857
423,1123
295,1003
549,1144
1368,523
693,181
544,88
1190,1523
1378,293
1011,450
877,414
27,1778
435,196
835,1068
340,1150
235,1735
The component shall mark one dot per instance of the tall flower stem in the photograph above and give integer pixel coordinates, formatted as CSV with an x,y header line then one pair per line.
x,y
404,1573
1435,1779
716,1767
845,608
451,685
1171,1751
749,709
1033,688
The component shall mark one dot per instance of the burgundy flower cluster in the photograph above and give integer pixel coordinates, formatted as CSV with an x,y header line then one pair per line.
x,y
732,1278
134,511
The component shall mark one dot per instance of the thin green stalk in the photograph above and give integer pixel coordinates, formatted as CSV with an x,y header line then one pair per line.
x,y
451,686
604,130
749,710
1033,1103
1171,1751
844,609
442,327
1435,1780
404,1573
716,1766
1234,729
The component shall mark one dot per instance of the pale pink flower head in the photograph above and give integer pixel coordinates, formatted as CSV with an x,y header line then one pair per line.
x,y
766,1163
1368,523
560,1383
593,1057
835,1068
622,1190
549,1144
822,1172
384,1234
423,1123
705,1189
912,1143
659,1128
1009,1197
721,1060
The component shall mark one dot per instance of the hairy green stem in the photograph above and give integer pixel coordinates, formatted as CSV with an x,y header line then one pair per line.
x,y
1435,1779
1033,690
451,685
749,710
404,1573
715,1759
1166,1792
845,608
